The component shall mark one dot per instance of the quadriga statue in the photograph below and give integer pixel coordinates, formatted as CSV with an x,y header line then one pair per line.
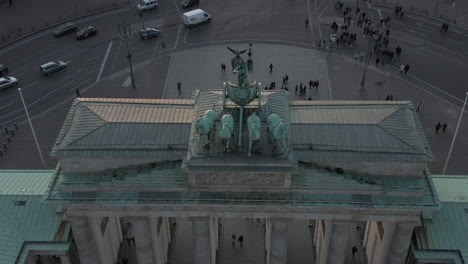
x,y
278,130
204,125
226,132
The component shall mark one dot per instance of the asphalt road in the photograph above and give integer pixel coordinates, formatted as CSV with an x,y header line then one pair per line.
x,y
98,66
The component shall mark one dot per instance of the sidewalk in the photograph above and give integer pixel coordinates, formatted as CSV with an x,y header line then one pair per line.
x,y
29,16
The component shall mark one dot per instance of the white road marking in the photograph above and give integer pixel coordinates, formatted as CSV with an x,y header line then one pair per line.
x,y
127,82
88,60
167,78
155,47
104,61
380,13
6,106
310,18
78,85
115,59
29,85
328,81
424,26
178,34
458,42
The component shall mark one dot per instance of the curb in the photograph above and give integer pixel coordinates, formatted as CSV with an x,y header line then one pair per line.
x,y
62,22
423,15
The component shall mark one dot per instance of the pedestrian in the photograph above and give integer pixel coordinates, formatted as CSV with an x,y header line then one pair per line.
x,y
402,68
124,260
356,56
444,127
223,67
233,240
418,107
391,97
446,27
179,87
442,29
437,127
406,68
354,250
10,3
387,98
284,81
297,88
241,240
310,99
77,93
310,84
377,60
307,22
271,67
398,51
361,55
249,54
316,85
287,78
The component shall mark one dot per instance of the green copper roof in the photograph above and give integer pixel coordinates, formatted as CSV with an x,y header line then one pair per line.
x,y
24,217
447,229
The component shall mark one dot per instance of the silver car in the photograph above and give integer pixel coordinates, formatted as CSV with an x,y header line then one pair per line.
x,y
51,67
8,82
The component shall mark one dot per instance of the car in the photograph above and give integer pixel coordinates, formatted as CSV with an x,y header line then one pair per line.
x,y
52,66
189,3
147,5
86,32
149,32
65,29
3,70
8,82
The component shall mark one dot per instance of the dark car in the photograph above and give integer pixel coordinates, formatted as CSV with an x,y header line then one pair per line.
x,y
3,70
86,32
189,3
65,29
149,32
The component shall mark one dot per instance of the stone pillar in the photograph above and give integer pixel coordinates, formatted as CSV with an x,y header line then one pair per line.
x,y
65,259
267,240
201,240
322,240
158,249
143,233
279,241
85,243
339,245
389,229
400,243
95,227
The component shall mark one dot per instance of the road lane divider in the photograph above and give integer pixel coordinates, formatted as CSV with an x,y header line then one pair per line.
x,y
104,61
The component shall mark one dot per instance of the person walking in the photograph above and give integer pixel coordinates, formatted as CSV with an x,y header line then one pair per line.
x,y
316,85
402,68
311,83
398,51
241,240
233,240
444,127
77,93
437,127
354,251
271,67
418,107
391,97
223,67
306,22
377,60
179,87
10,3
297,89
287,78
407,68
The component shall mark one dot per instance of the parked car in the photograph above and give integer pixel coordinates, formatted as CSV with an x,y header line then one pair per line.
x,y
195,17
51,67
65,29
3,70
147,4
189,3
8,82
149,32
86,32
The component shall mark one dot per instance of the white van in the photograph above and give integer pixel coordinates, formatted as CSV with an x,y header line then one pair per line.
x,y
195,17
147,4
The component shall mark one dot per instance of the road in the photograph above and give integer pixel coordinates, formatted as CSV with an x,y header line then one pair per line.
x,y
98,66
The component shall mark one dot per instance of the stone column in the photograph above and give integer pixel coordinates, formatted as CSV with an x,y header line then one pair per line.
x,y
201,240
158,249
389,229
400,243
338,245
143,234
85,243
322,240
95,227
65,259
279,241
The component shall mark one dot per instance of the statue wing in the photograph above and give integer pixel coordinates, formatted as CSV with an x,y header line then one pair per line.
x,y
233,51
243,51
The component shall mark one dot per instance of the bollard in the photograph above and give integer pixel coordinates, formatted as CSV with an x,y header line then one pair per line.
x,y
12,132
16,126
6,129
163,45
5,145
8,138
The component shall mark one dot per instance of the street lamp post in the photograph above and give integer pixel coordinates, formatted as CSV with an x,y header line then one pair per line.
x,y
435,10
455,135
32,129
125,33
